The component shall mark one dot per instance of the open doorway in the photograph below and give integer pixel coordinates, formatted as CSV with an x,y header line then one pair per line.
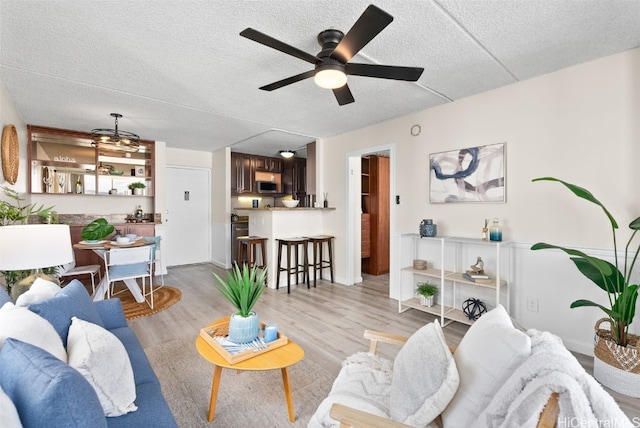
x,y
374,239
356,209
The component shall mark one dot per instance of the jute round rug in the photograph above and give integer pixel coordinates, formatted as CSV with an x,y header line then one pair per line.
x,y
162,299
245,399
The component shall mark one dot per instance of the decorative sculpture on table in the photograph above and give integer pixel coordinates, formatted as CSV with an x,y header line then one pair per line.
x,y
478,268
473,308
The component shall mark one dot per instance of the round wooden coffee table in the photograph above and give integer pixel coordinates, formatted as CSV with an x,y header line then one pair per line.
x,y
280,358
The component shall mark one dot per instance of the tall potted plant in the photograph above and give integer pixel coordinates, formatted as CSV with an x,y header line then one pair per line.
x,y
242,289
615,280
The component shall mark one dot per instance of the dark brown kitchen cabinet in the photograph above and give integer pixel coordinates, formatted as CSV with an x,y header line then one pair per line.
x,y
268,164
294,177
300,177
242,173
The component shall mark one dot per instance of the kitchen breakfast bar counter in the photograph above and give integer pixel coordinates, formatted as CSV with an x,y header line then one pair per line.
x,y
282,222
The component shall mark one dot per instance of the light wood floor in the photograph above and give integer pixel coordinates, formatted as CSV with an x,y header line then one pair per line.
x,y
327,321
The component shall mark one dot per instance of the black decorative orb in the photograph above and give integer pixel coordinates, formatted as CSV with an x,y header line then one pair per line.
x,y
473,308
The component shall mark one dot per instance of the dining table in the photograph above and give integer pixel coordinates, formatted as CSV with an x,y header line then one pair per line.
x,y
101,248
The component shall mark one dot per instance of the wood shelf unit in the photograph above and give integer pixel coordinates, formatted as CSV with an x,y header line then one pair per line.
x,y
59,153
448,258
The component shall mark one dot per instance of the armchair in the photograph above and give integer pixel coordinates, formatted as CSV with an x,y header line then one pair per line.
x,y
349,417
499,376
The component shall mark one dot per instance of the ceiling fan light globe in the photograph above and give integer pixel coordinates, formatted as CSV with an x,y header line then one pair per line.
x,y
330,78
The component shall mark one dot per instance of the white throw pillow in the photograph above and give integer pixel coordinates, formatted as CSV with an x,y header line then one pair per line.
x,y
103,360
40,290
487,356
425,377
22,324
8,414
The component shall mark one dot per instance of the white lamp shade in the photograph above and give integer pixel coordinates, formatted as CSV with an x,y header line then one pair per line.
x,y
34,246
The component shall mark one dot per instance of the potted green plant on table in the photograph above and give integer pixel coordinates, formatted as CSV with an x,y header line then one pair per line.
x,y
616,353
426,292
137,188
97,230
242,289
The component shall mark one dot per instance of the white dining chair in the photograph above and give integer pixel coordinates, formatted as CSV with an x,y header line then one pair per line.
x,y
129,264
70,269
157,258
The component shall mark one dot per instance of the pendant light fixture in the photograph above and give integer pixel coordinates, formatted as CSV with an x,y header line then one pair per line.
x,y
287,153
114,139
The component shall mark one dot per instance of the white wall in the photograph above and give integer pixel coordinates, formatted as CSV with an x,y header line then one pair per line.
x,y
579,124
10,116
220,219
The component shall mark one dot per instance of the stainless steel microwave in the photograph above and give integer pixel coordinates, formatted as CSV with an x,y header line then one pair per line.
x,y
266,187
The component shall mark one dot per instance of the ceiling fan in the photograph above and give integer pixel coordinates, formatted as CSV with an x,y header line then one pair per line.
x,y
331,64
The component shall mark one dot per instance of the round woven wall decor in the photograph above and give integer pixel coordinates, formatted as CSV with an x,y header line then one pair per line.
x,y
10,154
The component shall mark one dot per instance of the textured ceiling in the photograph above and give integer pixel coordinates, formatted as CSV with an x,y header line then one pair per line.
x,y
179,72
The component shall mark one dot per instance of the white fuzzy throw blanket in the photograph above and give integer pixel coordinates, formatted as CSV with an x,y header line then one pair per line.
x,y
364,383
552,368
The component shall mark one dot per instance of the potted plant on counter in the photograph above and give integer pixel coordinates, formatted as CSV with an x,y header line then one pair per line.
x,y
617,357
137,188
242,289
426,292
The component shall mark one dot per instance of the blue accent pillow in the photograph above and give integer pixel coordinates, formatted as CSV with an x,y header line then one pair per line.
x,y
4,297
72,301
46,391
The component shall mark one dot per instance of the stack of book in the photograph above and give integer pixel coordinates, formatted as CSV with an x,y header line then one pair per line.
x,y
481,278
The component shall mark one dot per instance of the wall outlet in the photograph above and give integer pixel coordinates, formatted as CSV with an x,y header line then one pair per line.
x,y
532,304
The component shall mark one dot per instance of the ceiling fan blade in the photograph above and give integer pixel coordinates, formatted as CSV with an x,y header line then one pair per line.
x,y
288,81
343,95
410,74
262,38
372,21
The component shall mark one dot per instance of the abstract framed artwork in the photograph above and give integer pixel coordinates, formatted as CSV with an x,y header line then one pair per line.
x,y
474,174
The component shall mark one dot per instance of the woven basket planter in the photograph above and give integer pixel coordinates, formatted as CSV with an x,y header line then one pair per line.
x,y
616,367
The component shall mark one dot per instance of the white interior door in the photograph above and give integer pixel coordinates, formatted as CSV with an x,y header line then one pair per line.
x,y
188,216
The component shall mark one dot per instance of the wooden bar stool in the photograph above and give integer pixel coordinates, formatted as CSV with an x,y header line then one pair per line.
x,y
248,245
298,267
318,262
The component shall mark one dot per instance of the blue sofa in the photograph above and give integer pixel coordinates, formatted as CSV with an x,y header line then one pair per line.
x,y
54,403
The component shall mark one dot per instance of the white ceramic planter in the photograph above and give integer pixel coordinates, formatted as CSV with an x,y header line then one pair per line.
x,y
243,329
138,192
426,301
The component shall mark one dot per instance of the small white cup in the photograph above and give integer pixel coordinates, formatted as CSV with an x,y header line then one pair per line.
x,y
123,240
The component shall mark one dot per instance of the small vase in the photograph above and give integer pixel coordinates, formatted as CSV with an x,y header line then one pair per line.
x,y
138,191
243,329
